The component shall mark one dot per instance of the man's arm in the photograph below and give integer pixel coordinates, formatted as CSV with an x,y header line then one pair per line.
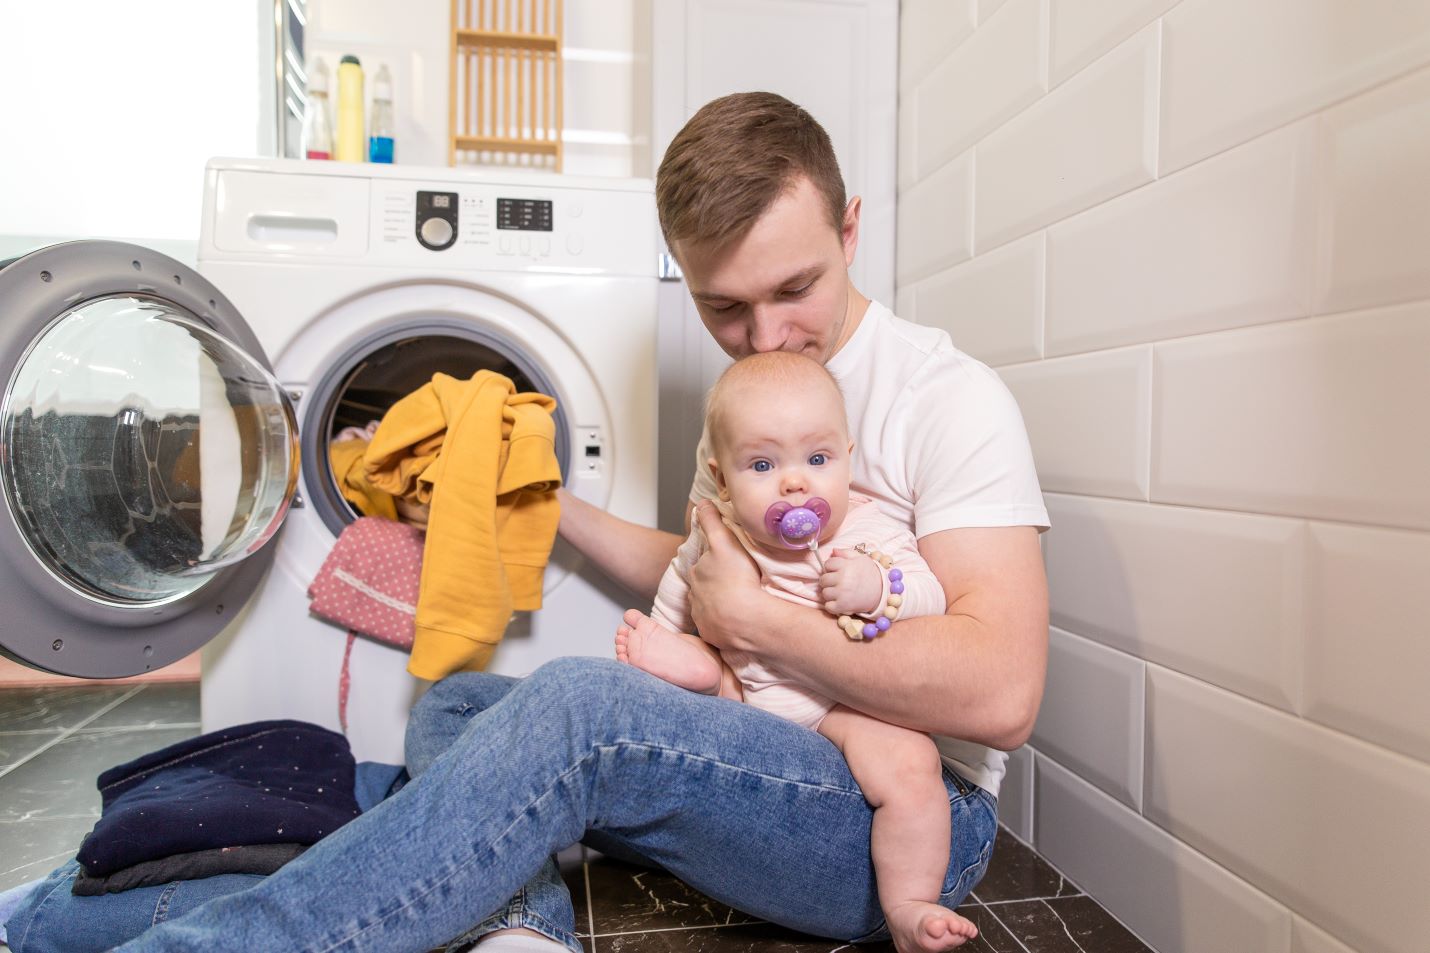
x,y
974,673
634,556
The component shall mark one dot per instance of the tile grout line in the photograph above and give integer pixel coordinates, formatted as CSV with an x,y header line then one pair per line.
x,y
590,907
1066,896
1063,923
149,727
999,920
703,926
68,732
39,860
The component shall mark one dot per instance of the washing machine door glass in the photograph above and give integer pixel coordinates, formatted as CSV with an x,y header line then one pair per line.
x,y
142,451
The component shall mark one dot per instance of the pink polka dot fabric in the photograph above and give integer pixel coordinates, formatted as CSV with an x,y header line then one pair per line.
x,y
369,585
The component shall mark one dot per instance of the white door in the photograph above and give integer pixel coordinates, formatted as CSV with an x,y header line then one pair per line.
x,y
147,456
836,58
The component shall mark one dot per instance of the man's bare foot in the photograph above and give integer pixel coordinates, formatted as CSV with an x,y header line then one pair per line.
x,y
651,647
919,927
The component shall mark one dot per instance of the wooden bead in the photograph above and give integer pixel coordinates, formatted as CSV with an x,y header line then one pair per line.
x,y
895,599
844,621
891,613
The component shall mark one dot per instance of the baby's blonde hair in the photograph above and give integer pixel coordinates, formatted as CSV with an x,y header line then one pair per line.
x,y
778,367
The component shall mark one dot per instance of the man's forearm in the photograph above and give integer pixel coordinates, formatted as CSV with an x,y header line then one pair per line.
x,y
944,674
634,556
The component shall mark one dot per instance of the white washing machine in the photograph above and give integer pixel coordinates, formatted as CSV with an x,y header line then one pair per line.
x,y
353,284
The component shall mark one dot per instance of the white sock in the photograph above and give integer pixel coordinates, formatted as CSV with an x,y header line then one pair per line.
x,y
518,943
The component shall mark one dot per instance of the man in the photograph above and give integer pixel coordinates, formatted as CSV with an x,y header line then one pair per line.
x,y
754,811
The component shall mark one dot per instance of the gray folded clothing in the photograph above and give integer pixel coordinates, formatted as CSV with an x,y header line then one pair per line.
x,y
250,859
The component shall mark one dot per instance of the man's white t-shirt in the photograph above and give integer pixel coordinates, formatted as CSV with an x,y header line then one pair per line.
x,y
939,443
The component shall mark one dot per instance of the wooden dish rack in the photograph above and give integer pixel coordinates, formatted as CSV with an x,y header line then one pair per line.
x,y
505,104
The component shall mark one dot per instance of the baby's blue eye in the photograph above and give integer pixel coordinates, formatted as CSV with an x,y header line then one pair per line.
x,y
761,466
818,460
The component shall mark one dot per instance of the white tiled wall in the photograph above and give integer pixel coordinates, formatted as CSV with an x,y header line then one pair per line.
x,y
1194,238
1087,420
1007,282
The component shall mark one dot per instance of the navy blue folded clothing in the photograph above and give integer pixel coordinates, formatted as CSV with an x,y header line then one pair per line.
x,y
195,865
269,782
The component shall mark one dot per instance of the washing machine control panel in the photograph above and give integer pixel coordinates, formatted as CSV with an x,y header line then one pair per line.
x,y
437,219
514,226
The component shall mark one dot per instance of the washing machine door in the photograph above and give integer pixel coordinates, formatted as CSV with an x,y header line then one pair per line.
x,y
147,455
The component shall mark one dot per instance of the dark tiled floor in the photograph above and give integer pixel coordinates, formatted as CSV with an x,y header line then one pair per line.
x,y
54,742
1022,906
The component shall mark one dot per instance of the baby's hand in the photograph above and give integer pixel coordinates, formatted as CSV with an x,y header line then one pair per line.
x,y
851,583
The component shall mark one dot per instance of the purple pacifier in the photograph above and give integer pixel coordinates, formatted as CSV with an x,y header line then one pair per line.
x,y
797,526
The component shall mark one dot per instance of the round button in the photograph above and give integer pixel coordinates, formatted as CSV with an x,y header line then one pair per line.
x,y
437,231
543,245
574,244
525,245
574,208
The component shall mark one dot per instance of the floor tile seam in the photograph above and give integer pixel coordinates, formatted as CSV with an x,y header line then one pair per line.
x,y
39,860
590,907
99,713
1111,916
1064,896
1066,932
1006,929
704,926
118,728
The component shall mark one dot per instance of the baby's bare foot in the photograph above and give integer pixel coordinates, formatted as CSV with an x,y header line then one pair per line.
x,y
919,927
651,647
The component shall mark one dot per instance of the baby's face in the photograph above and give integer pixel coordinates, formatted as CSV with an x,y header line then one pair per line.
x,y
784,444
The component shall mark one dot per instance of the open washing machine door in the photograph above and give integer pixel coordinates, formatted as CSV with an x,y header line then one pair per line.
x,y
147,455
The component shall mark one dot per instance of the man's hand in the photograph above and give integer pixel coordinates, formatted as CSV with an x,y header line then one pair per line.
x,y
851,584
725,592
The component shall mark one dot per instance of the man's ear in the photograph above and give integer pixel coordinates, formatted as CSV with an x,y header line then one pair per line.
x,y
849,229
719,476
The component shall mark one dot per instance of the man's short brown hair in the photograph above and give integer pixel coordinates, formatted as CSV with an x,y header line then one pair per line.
x,y
733,159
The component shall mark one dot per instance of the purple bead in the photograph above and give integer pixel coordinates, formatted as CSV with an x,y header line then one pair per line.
x,y
882,624
897,588
895,575
870,630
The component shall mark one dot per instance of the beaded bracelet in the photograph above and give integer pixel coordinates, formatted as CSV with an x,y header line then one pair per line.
x,y
859,630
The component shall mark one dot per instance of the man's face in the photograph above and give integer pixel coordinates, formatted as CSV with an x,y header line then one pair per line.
x,y
784,286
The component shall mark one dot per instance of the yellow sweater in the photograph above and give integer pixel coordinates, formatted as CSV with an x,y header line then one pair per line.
x,y
346,457
484,457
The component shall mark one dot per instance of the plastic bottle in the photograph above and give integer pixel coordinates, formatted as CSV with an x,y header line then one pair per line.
x,y
317,124
350,109
380,129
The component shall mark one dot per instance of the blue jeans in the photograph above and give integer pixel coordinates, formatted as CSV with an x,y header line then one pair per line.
x,y
754,811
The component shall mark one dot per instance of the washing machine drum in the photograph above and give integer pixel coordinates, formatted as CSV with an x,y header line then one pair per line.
x,y
147,455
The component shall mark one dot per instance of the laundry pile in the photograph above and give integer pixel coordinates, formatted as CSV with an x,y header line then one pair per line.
x,y
192,822
469,467
242,801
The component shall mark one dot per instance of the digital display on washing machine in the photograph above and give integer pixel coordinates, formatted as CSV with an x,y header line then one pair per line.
x,y
524,215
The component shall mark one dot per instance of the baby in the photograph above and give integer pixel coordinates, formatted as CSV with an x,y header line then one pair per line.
x,y
781,442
